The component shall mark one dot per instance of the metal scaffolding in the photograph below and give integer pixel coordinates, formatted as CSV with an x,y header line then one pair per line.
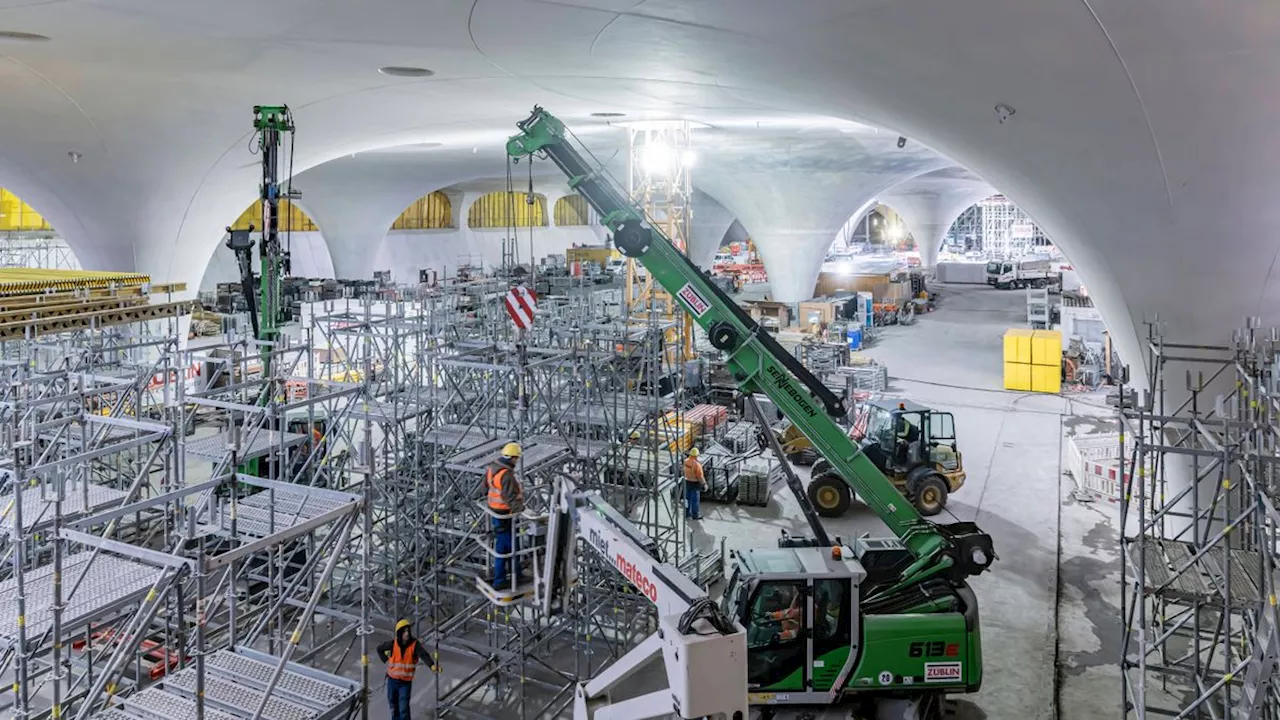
x,y
1199,530
36,249
217,527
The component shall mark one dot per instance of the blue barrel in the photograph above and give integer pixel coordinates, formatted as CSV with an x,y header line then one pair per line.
x,y
854,337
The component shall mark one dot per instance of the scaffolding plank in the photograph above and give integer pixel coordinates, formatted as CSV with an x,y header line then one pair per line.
x,y
156,703
109,582
255,514
224,693
260,443
296,682
38,503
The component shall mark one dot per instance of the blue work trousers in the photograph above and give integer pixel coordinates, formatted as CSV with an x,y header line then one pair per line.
x,y
693,500
504,544
398,692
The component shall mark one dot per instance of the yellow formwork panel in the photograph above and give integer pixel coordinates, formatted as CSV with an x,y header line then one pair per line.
x,y
1046,378
1017,376
1046,348
27,281
1017,345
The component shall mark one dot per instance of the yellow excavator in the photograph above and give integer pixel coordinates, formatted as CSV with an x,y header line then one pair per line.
x,y
914,446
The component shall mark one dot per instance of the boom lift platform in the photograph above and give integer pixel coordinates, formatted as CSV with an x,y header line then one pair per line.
x,y
905,620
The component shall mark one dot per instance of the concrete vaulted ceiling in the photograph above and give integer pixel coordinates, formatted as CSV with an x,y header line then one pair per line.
x,y
1141,138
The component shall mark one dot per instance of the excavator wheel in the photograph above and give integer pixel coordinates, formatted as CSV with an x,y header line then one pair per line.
x,y
930,494
830,495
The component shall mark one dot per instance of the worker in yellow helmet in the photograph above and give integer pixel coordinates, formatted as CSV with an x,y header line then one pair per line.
x,y
694,483
402,655
506,500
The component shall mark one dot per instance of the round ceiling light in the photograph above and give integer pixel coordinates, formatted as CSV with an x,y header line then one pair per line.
x,y
608,114
404,71
15,36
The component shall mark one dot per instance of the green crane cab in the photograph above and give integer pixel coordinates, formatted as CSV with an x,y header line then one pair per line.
x,y
914,446
816,635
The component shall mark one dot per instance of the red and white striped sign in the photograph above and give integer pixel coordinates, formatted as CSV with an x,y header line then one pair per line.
x,y
521,304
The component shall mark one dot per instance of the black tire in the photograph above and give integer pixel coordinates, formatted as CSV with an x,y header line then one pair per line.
x,y
822,467
830,495
931,495
805,457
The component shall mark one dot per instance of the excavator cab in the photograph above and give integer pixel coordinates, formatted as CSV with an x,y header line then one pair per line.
x,y
810,641
914,446
796,605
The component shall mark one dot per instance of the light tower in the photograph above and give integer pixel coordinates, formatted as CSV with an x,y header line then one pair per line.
x,y
660,180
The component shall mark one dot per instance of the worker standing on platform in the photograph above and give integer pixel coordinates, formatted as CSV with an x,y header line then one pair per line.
x,y
506,498
694,483
402,655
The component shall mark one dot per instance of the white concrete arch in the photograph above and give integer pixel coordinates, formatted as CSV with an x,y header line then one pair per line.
x,y
711,221
94,252
929,204
796,195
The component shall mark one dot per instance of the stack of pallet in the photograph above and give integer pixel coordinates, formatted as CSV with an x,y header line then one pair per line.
x,y
707,420
674,434
1033,360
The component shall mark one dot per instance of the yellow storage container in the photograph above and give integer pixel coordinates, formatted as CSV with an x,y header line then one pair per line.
x,y
1017,346
1017,376
1046,348
1046,378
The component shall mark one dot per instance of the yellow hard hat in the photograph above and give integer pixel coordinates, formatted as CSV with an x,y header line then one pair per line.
x,y
693,452
401,625
511,450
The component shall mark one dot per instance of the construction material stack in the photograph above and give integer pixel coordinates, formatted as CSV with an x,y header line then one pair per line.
x,y
1033,360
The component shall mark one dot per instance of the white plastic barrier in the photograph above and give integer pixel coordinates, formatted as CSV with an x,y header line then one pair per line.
x,y
1096,463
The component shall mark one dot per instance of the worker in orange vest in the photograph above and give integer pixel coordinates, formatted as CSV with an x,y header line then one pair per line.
x,y
787,614
506,499
694,483
402,655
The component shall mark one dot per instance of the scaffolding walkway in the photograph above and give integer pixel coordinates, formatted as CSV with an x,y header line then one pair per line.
x,y
235,683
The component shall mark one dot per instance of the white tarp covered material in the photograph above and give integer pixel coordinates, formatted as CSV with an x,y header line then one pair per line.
x,y
962,272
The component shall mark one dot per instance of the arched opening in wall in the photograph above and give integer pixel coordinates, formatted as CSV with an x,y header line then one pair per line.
x,y
878,231
574,211
299,235
27,240
432,211
504,209
738,260
996,228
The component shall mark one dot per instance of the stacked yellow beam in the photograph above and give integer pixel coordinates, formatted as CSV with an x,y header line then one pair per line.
x,y
29,281
1033,360
36,302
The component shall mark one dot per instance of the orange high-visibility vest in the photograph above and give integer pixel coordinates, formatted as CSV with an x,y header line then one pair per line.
x,y
693,470
494,480
402,663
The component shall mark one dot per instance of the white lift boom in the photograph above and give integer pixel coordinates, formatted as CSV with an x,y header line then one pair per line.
x,y
704,652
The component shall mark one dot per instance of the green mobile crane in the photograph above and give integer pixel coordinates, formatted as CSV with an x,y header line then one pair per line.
x,y
272,123
906,622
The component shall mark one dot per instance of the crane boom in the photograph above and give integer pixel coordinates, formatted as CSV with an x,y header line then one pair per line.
x,y
758,363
